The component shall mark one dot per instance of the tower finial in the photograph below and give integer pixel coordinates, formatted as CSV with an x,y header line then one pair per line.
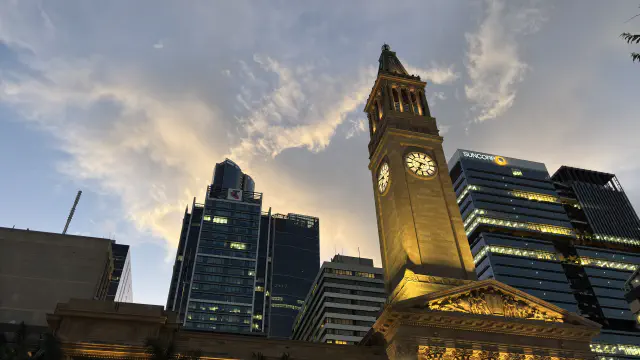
x,y
386,47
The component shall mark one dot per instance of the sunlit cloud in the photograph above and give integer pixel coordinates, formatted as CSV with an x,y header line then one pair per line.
x,y
494,64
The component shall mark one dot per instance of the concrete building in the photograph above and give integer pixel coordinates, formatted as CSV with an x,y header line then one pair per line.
x,y
346,297
38,270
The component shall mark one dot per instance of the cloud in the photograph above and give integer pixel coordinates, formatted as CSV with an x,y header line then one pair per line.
x,y
356,126
493,62
303,111
158,45
435,74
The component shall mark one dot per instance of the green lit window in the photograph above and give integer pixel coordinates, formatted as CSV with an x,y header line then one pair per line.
x,y
238,246
259,288
220,220
207,218
516,172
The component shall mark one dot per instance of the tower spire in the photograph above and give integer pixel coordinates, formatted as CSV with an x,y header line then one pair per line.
x,y
389,62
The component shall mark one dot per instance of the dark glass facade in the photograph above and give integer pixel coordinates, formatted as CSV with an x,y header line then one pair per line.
x,y
214,278
293,241
229,175
607,247
120,284
570,239
515,223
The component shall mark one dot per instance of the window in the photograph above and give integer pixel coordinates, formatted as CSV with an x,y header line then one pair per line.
x,y
207,218
238,246
259,289
342,272
364,274
220,220
516,172
341,342
257,316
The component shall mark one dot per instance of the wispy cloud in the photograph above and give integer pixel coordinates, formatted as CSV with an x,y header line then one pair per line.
x,y
302,111
159,45
494,64
435,74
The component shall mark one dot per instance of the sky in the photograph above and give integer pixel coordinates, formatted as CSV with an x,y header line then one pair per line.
x,y
134,102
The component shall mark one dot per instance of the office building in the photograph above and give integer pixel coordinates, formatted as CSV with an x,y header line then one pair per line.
x,y
120,283
293,243
514,221
607,248
213,286
346,297
570,239
38,270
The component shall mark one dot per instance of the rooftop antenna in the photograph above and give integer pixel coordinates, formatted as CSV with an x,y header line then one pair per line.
x,y
73,210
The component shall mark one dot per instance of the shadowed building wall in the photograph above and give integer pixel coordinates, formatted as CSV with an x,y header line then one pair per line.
x,y
38,270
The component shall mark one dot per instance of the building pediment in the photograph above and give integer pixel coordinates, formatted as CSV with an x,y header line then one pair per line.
x,y
493,298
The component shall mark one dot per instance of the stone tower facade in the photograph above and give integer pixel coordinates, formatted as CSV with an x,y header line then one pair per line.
x,y
419,223
437,309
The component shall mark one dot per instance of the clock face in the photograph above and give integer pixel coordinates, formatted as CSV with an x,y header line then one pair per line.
x,y
421,164
383,178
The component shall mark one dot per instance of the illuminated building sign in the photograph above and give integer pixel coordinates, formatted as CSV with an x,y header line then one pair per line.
x,y
480,156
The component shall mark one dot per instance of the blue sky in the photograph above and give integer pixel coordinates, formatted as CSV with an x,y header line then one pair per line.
x,y
134,102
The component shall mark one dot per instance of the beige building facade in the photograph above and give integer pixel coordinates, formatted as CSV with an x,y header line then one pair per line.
x,y
38,270
107,330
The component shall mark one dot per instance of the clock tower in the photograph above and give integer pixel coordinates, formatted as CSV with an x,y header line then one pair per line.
x,y
437,308
422,240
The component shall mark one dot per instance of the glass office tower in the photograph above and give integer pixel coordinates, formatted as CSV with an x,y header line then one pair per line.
x,y
214,277
120,284
515,221
607,249
293,243
571,239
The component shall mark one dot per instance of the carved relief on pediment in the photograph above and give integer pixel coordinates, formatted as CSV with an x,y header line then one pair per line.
x,y
490,301
432,352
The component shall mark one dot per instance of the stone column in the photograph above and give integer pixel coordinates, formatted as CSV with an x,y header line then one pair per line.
x,y
410,100
386,103
425,105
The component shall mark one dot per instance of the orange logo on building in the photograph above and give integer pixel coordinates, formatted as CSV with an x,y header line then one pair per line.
x,y
500,160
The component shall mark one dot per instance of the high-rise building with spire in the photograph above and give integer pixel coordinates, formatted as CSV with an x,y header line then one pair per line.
x,y
213,286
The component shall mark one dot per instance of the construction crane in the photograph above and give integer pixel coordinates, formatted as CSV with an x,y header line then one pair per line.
x,y
73,210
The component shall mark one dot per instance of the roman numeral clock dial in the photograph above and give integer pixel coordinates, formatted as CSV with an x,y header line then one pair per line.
x,y
420,164
383,178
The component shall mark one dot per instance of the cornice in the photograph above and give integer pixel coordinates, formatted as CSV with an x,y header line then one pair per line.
x,y
391,320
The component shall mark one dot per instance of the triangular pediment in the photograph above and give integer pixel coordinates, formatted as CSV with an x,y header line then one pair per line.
x,y
493,298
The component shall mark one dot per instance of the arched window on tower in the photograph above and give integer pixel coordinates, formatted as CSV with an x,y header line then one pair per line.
x,y
372,123
406,105
396,99
423,101
417,108
378,109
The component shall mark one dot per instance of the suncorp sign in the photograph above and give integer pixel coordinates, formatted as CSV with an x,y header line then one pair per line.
x,y
486,157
